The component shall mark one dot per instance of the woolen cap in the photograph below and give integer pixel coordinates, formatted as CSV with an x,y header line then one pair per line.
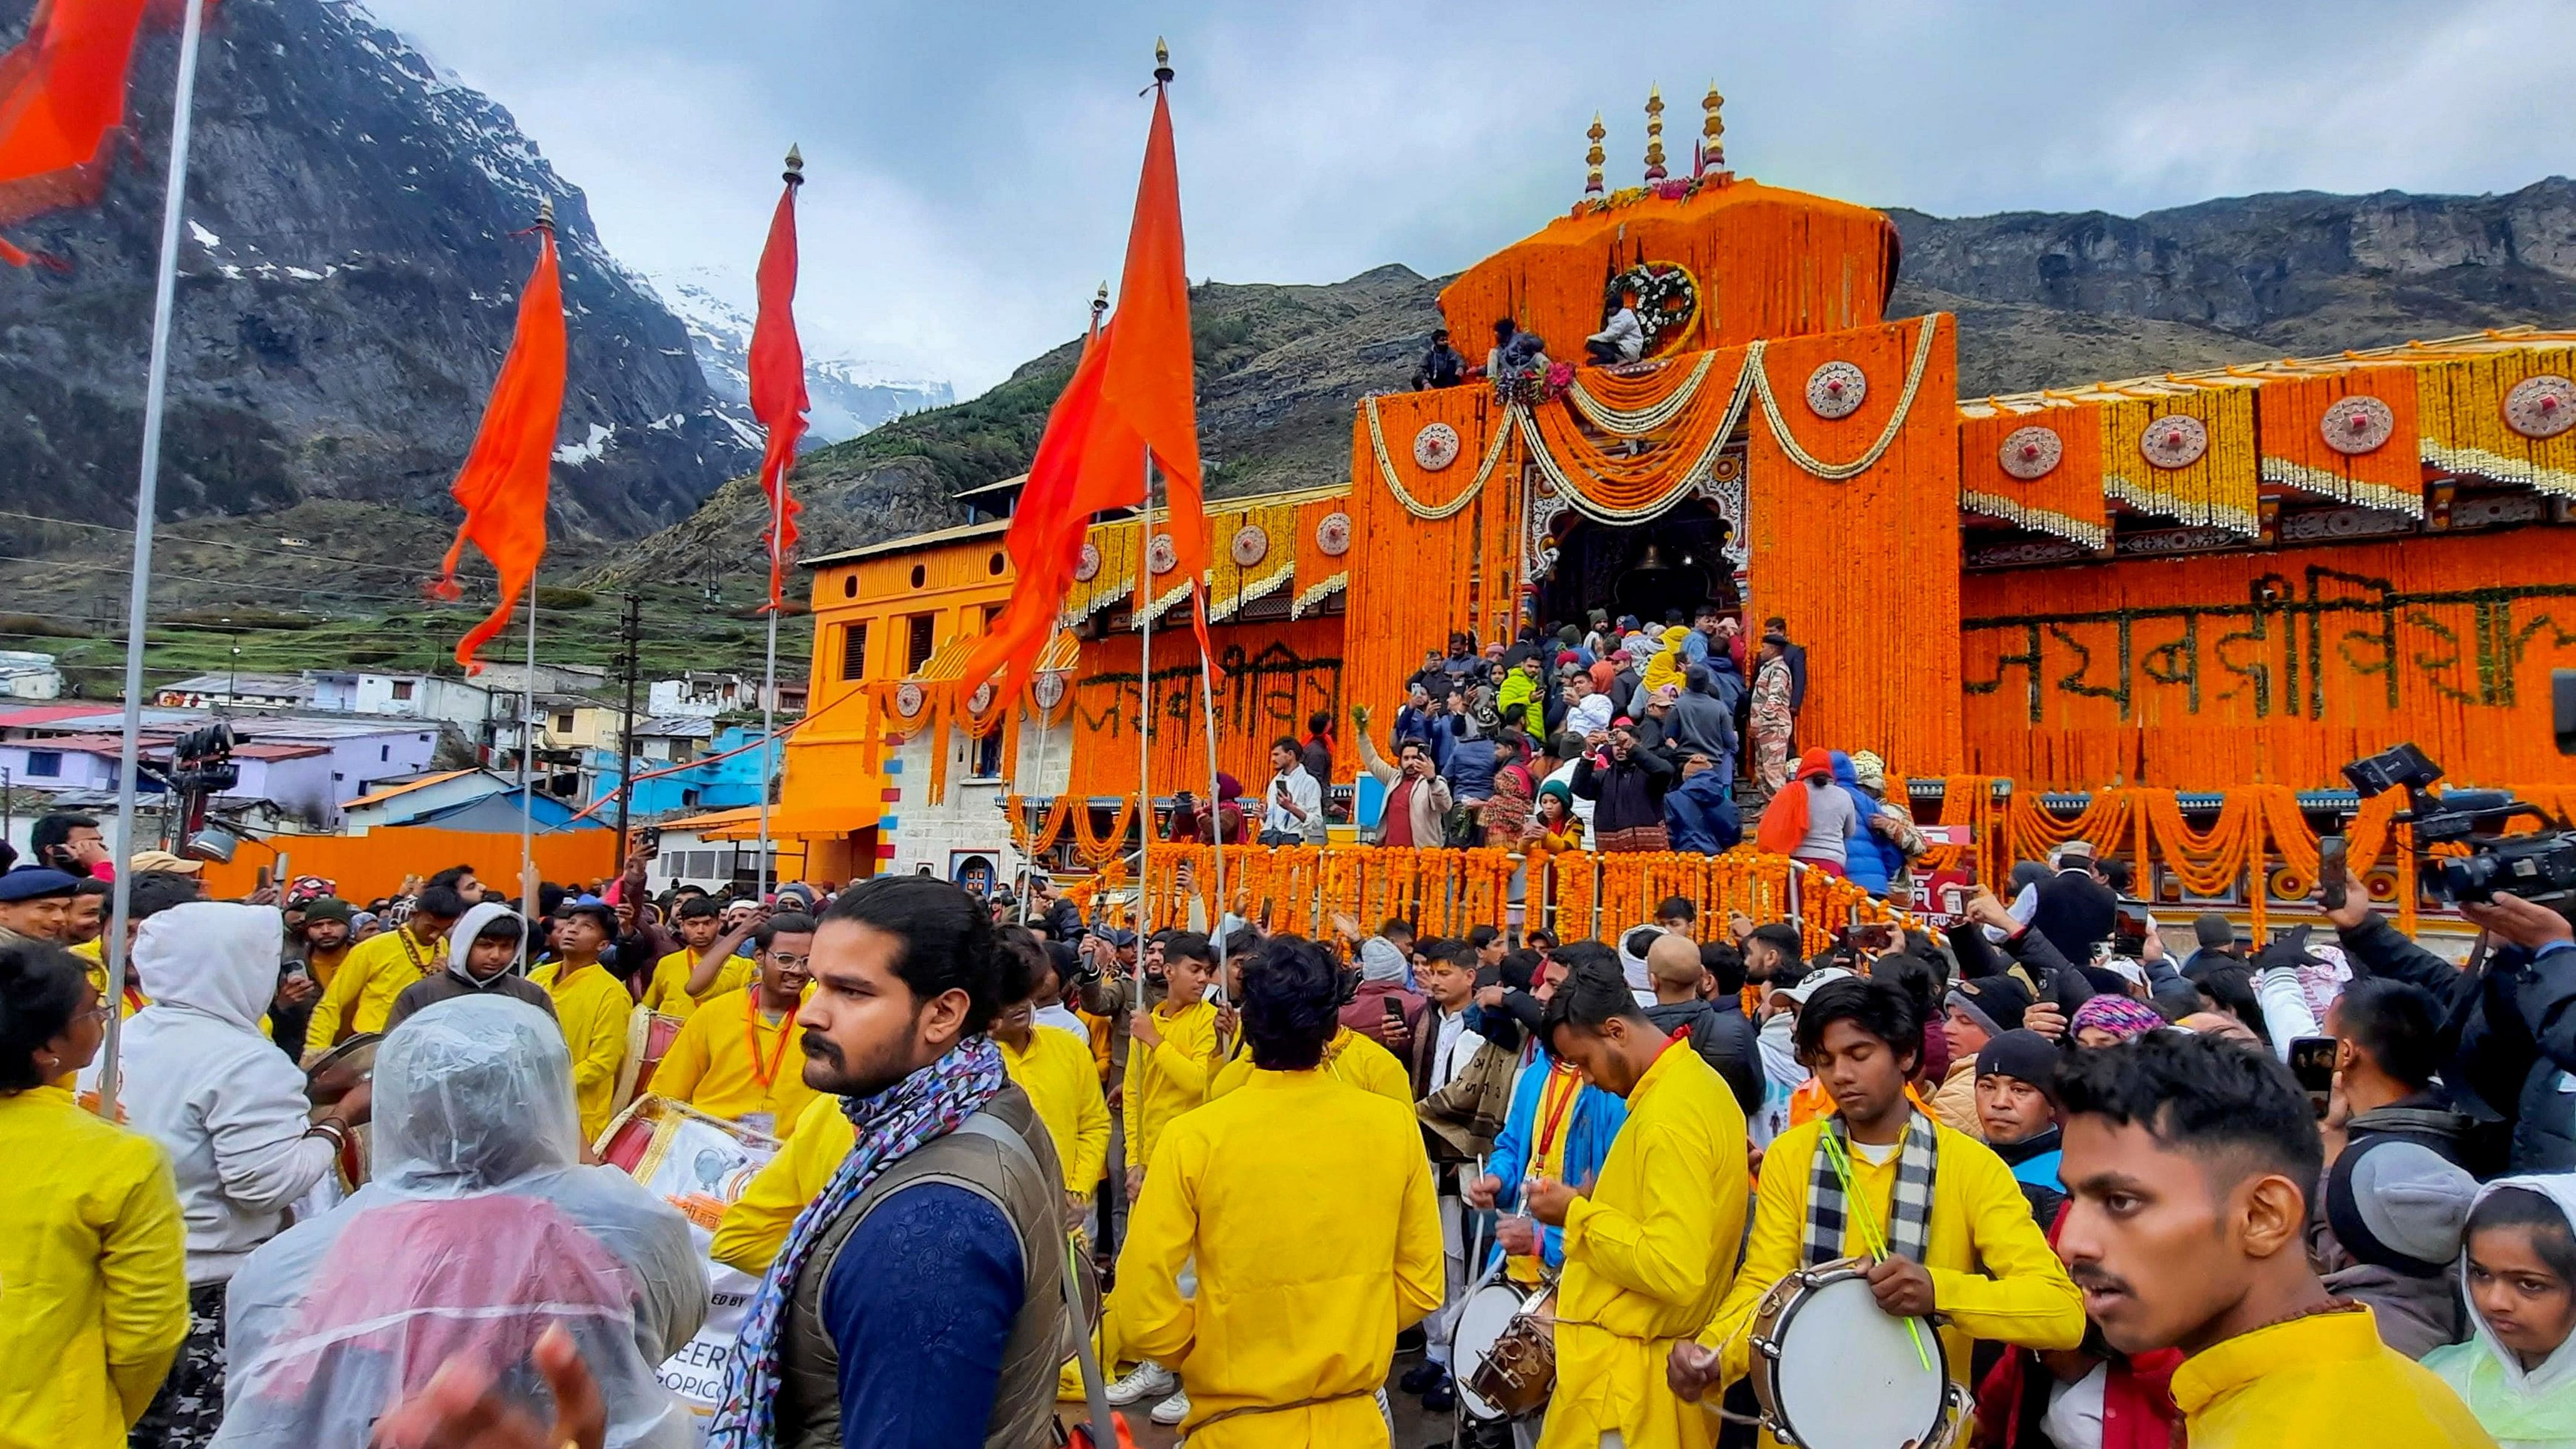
x,y
2213,930
2398,1204
2022,1054
1993,1002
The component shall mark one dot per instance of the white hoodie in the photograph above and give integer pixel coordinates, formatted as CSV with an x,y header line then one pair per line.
x,y
200,1079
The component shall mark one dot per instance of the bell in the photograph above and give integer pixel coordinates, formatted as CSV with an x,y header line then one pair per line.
x,y
1653,558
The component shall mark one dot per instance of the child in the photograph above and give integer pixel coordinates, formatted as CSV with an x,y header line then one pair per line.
x,y
2518,1262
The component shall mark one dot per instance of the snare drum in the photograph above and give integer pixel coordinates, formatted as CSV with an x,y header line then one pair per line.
x,y
1832,1371
1481,1321
697,1163
1516,1374
649,1035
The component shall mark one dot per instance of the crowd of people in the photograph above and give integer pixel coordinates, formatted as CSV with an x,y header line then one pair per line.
x,y
2084,1168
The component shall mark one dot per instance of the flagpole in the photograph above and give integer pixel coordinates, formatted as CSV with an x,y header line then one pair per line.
x,y
768,729
1144,697
1216,810
156,398
528,781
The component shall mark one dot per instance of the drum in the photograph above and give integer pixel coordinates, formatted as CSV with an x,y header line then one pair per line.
x,y
333,1076
1518,1372
697,1163
1832,1371
1482,1319
649,1035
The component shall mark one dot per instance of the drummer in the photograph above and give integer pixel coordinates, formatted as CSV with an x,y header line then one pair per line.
x,y
379,969
1651,1245
1970,1253
737,1058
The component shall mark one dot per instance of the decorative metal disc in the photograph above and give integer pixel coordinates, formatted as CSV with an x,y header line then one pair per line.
x,y
1048,689
907,699
2541,407
1163,555
1333,535
1726,467
2031,452
1250,546
2358,424
1436,446
981,700
2174,441
1087,568
1835,390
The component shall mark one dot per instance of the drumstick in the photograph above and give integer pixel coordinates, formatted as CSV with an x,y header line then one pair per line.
x,y
1869,1235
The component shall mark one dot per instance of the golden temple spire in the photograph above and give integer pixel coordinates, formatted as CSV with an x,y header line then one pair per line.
x,y
1593,158
1712,132
1655,135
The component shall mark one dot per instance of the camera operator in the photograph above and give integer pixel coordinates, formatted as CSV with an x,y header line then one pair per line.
x,y
2510,1019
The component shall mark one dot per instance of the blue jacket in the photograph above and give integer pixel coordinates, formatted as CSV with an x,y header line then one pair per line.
x,y
1469,766
1699,814
1597,1118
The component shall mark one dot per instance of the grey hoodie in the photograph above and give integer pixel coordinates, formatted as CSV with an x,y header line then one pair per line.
x,y
457,981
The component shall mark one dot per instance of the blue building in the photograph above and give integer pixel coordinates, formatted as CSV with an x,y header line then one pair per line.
x,y
713,782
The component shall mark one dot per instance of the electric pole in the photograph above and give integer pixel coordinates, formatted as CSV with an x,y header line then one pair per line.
x,y
631,638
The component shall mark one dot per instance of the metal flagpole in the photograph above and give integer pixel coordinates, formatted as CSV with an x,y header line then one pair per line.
x,y
528,784
1216,810
1144,705
769,728
156,397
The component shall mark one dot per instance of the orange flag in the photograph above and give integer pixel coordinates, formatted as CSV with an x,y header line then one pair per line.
x,y
62,100
1133,394
503,484
778,380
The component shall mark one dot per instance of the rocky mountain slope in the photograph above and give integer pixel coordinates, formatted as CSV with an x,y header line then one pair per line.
x,y
849,395
2042,300
345,296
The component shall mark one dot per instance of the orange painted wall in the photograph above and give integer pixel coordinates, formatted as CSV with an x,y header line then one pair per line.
x,y
2274,668
374,864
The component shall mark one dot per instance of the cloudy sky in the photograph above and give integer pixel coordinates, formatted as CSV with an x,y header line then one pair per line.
x,y
971,166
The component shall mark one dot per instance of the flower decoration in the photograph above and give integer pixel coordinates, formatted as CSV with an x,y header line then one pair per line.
x,y
1667,299
2031,453
1435,447
2541,407
2358,424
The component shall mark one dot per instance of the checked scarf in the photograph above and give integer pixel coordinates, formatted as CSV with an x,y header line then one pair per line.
x,y
893,1124
1912,1228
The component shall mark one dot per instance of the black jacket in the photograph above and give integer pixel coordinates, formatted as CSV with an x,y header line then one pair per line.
x,y
2076,913
1723,1038
1630,793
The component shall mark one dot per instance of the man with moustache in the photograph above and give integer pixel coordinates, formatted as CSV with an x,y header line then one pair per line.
x,y
918,1301
2189,1160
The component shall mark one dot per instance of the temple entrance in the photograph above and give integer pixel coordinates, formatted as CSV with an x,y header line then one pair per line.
x,y
1676,562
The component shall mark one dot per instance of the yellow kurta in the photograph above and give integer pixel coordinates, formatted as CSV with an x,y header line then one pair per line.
x,y
95,954
361,994
1171,1078
755,1227
710,1065
1648,1256
592,1007
1056,1072
93,1277
2321,1382
1980,1226
1349,1058
668,990
1313,1247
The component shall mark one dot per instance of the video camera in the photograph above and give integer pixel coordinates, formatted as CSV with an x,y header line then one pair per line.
x,y
2537,867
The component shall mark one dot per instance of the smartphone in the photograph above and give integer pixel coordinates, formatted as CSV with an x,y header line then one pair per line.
x,y
2331,864
2129,927
2312,1061
1394,1014
651,835
1215,994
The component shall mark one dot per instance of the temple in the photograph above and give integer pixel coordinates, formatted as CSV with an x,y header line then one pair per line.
x,y
2156,613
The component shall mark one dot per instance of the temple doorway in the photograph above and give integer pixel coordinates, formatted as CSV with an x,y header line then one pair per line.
x,y
1675,562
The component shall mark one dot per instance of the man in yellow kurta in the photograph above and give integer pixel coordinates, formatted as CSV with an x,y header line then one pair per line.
x,y
1981,1262
377,970
736,1058
592,1007
1054,1067
1173,1053
1306,1268
1650,1248
678,987
1349,1058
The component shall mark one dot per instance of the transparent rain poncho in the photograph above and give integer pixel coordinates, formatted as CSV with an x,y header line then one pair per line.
x,y
479,1230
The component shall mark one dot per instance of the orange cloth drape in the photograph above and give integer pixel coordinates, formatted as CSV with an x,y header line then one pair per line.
x,y
503,485
1863,570
2229,669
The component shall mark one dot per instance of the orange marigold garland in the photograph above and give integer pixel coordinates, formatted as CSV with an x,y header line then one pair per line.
x,y
2463,405
2185,452
2035,466
2348,435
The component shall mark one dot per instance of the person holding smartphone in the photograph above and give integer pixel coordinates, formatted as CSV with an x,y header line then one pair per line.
x,y
1292,807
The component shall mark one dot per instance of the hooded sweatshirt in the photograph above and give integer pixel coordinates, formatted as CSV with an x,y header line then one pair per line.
x,y
2523,1409
201,1080
457,981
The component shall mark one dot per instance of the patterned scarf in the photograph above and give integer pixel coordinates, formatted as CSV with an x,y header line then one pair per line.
x,y
1912,1228
920,1109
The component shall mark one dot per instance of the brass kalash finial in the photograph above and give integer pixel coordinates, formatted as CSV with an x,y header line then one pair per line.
x,y
1162,62
1655,134
1712,132
1593,158
1099,303
795,166
546,212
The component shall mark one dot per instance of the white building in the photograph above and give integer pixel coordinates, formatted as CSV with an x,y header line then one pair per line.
x,y
237,689
25,674
305,764
470,708
707,693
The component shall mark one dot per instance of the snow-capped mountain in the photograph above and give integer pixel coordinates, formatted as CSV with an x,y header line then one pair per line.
x,y
849,395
